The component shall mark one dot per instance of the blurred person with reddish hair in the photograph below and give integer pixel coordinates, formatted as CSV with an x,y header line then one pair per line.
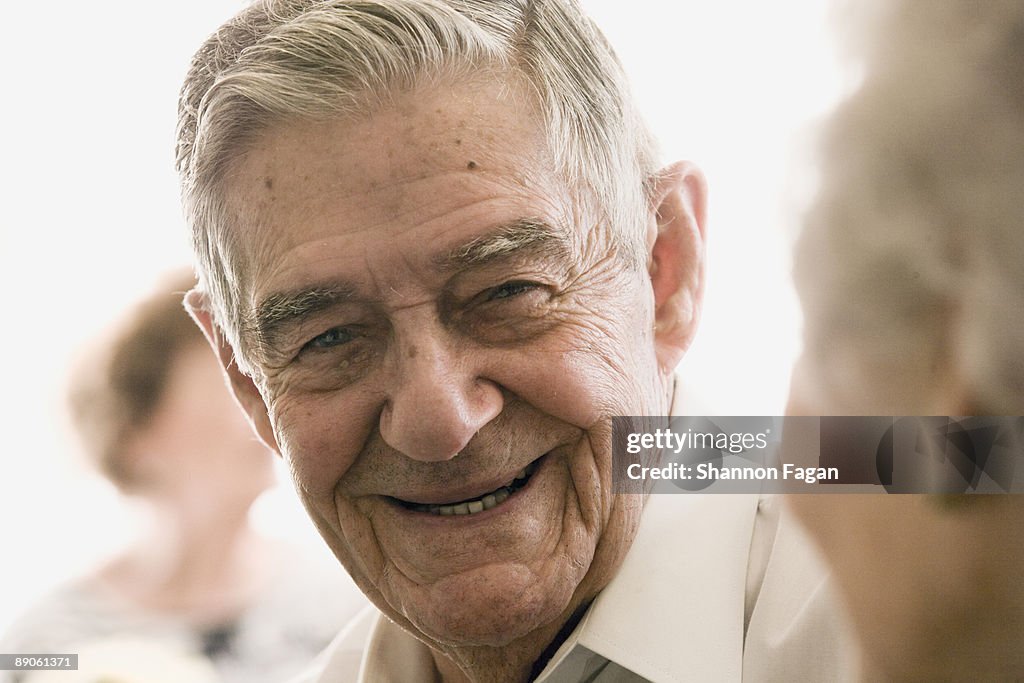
x,y
156,418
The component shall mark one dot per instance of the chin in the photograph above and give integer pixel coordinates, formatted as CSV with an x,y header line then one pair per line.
x,y
492,607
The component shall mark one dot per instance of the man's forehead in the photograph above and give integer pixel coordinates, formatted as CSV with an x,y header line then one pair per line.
x,y
298,170
441,125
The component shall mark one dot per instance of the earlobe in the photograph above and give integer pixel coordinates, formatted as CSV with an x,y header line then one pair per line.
x,y
676,259
243,387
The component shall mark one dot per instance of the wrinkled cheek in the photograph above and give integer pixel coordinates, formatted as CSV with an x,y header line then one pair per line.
x,y
319,443
355,544
608,384
319,454
600,373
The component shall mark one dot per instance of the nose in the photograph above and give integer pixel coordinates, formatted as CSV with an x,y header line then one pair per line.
x,y
438,401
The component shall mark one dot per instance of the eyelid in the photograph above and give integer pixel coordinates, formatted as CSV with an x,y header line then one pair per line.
x,y
525,285
346,329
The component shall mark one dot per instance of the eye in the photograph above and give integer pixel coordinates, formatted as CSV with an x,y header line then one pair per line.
x,y
336,336
511,312
510,290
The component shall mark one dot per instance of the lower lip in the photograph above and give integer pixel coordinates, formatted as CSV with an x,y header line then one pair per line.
x,y
509,505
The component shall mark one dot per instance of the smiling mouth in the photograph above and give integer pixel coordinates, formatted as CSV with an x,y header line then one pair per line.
x,y
472,506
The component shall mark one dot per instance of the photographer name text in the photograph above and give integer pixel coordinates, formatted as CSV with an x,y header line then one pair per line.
x,y
709,472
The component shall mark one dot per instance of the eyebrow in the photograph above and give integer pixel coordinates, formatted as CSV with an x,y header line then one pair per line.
x,y
279,311
525,235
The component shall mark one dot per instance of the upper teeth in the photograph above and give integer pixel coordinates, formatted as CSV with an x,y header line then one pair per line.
x,y
485,502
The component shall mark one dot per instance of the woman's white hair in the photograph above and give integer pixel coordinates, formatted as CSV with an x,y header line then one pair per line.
x,y
911,264
291,60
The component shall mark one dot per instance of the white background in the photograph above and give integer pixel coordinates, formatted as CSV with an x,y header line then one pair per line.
x,y
90,217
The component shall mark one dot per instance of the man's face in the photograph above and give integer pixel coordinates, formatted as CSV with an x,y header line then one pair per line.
x,y
443,334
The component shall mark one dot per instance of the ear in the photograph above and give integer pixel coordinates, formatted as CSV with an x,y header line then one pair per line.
x,y
247,394
675,247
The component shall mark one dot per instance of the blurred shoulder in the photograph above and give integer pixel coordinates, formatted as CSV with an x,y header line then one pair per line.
x,y
342,659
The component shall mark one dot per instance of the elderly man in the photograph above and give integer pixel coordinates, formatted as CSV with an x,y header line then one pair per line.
x,y
437,256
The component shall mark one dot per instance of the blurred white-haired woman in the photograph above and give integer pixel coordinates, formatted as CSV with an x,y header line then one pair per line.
x,y
910,269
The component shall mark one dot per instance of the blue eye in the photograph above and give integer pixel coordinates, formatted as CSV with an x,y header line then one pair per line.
x,y
510,290
336,336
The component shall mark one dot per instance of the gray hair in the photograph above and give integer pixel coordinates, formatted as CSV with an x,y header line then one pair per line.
x,y
283,60
911,263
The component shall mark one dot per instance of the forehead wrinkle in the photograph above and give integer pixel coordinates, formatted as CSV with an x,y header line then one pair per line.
x,y
519,236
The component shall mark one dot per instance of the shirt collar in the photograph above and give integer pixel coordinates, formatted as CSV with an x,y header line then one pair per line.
x,y
674,611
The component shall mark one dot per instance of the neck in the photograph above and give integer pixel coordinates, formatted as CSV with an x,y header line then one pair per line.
x,y
205,567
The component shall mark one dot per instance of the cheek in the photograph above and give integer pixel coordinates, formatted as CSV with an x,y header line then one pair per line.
x,y
320,436
577,386
595,370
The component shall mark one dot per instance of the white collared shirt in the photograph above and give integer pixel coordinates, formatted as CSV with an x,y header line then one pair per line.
x,y
715,587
